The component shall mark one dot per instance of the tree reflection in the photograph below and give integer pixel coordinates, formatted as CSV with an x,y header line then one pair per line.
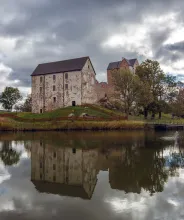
x,y
141,169
8,155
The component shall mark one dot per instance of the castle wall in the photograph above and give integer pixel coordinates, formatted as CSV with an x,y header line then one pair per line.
x,y
55,91
89,94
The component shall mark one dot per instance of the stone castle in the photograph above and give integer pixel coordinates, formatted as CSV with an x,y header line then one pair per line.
x,y
72,82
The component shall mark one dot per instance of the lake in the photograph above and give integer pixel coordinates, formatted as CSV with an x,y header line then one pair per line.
x,y
129,175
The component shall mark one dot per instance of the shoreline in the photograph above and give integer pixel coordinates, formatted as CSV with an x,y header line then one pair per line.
x,y
73,126
14,126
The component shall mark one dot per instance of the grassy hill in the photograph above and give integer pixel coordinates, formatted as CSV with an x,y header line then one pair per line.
x,y
105,119
63,113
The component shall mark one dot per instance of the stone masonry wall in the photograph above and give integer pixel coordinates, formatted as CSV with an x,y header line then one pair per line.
x,y
89,94
51,93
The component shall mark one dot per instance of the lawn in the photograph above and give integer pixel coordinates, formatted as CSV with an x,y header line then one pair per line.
x,y
91,110
165,119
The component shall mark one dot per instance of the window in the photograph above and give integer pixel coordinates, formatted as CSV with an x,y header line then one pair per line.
x,y
73,103
40,89
41,143
54,77
41,110
41,79
40,165
54,178
66,86
54,166
54,154
40,176
74,151
54,88
66,75
54,99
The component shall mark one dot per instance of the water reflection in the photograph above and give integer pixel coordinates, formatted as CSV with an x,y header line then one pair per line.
x,y
111,175
8,155
70,167
63,170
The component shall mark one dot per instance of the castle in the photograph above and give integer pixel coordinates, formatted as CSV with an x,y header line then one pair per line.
x,y
71,82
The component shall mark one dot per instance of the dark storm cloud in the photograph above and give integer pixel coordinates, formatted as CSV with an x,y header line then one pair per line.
x,y
54,30
179,46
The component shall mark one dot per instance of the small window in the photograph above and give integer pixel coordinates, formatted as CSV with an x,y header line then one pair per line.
x,y
54,99
54,77
66,86
40,165
54,166
54,88
40,89
54,178
41,111
54,154
88,66
73,103
41,143
41,79
74,150
66,75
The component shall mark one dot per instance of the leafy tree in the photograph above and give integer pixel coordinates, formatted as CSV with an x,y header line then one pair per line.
x,y
152,76
178,105
144,97
8,155
10,97
26,106
126,86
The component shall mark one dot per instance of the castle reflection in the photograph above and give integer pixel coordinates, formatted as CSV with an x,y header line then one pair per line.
x,y
63,170
71,168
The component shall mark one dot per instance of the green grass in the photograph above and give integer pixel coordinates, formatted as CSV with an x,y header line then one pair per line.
x,y
165,119
64,112
12,125
134,122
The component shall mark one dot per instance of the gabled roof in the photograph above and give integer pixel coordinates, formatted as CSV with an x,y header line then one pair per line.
x,y
61,189
60,66
115,65
131,62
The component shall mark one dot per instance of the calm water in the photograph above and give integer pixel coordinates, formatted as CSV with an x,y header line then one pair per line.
x,y
103,176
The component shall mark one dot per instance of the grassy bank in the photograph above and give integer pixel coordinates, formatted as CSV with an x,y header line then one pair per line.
x,y
100,119
11,125
62,114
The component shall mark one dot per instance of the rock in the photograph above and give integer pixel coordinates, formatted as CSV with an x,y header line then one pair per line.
x,y
71,115
84,115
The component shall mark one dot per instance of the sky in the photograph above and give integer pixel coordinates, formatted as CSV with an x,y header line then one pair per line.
x,y
33,32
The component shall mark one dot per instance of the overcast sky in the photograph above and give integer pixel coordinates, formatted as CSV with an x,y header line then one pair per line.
x,y
36,31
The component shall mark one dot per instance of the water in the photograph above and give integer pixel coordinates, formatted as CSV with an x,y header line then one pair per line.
x,y
88,175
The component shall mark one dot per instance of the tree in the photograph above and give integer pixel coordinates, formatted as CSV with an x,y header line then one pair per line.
x,y
178,105
27,106
24,107
10,97
152,76
8,155
126,86
144,97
